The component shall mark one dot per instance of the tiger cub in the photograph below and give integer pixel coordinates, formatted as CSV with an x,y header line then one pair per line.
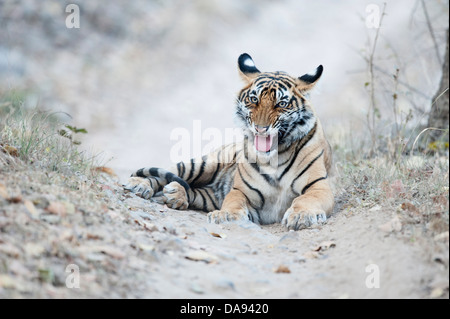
x,y
278,173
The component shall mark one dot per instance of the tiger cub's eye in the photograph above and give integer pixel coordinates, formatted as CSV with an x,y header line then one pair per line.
x,y
282,104
254,99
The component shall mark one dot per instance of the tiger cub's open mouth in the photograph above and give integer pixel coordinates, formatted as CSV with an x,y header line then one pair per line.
x,y
265,143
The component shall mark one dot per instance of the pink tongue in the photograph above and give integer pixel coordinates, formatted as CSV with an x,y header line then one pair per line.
x,y
263,143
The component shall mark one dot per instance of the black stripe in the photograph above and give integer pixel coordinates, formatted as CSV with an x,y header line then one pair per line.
x,y
212,200
179,168
205,207
268,179
306,168
200,173
253,189
282,86
312,183
303,142
171,177
195,196
248,200
157,182
140,172
154,172
213,178
191,172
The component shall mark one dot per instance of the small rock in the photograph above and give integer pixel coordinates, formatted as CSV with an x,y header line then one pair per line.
x,y
437,293
70,208
394,225
41,202
311,255
34,249
31,209
57,208
200,255
194,287
7,282
442,236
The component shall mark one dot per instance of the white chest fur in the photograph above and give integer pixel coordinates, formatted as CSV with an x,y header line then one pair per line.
x,y
277,201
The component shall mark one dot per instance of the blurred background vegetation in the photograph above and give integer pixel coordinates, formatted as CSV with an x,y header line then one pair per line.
x,y
136,70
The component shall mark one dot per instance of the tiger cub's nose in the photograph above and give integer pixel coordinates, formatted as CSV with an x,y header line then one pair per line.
x,y
261,129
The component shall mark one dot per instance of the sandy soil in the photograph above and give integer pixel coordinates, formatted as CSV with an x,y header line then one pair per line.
x,y
126,247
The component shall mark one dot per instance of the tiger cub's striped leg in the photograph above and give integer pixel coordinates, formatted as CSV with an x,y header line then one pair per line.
x,y
234,208
311,208
163,185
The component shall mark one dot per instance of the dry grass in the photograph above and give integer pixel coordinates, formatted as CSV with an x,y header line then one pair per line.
x,y
32,138
414,186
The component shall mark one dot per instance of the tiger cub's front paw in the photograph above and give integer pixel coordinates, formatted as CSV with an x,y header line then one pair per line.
x,y
297,220
175,196
222,216
140,186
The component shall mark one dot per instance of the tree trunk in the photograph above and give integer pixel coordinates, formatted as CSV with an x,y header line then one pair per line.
x,y
438,117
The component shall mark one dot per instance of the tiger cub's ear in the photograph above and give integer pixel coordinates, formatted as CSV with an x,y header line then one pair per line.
x,y
247,68
307,81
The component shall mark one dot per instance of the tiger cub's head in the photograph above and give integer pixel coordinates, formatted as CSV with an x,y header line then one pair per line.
x,y
272,107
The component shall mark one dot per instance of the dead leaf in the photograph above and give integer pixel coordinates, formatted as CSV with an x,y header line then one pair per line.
x,y
410,207
3,191
325,245
11,150
15,199
107,170
92,236
282,269
57,208
200,255
114,252
218,235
